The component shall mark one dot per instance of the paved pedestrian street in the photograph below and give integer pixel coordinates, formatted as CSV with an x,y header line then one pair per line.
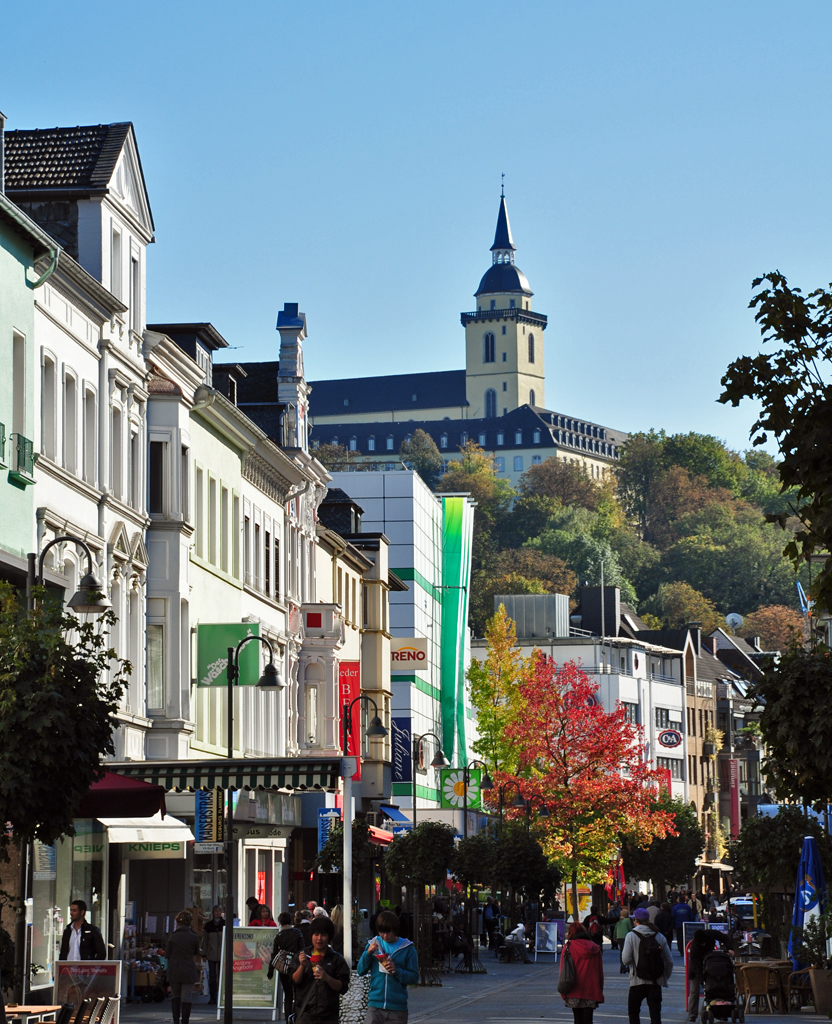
x,y
516,993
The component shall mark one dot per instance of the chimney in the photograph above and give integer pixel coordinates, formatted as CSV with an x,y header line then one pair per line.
x,y
2,151
695,630
709,643
754,641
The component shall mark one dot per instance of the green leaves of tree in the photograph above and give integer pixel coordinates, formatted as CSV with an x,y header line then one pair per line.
x,y
421,856
767,851
672,858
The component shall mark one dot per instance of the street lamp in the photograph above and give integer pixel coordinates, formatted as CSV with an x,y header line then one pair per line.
x,y
90,595
269,680
375,730
439,761
486,784
519,802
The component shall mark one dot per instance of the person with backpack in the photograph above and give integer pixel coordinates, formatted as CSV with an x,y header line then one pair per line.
x,y
594,927
648,958
680,913
588,990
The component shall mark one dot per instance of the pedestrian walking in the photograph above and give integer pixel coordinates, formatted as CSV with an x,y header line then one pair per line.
x,y
612,920
290,939
588,990
321,978
491,918
212,936
182,971
392,964
81,940
303,923
622,930
647,956
702,943
593,926
680,913
262,917
253,905
664,922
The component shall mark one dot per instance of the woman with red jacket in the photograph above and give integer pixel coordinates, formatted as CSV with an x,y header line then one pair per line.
x,y
588,990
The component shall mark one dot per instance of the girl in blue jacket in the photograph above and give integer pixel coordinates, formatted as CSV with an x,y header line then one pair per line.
x,y
393,965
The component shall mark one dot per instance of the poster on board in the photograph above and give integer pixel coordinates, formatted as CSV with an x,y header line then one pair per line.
x,y
76,980
252,988
547,935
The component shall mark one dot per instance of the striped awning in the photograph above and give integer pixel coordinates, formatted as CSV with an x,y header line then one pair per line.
x,y
275,773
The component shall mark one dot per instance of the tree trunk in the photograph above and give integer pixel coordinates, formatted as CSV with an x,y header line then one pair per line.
x,y
575,911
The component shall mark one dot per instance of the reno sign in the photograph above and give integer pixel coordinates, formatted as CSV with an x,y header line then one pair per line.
x,y
408,654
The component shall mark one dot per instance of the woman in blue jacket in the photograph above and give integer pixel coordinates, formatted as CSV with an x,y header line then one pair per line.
x,y
393,965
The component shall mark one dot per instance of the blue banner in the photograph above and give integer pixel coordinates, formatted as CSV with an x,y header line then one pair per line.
x,y
401,750
327,816
809,892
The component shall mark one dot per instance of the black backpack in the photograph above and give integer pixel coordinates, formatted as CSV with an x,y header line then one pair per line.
x,y
649,961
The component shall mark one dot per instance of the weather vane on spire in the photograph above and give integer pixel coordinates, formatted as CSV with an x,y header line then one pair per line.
x,y
503,185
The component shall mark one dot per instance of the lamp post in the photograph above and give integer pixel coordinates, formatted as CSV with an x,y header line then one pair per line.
x,y
485,785
90,597
521,802
270,680
375,729
439,761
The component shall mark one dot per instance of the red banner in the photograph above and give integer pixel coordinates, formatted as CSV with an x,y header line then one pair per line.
x,y
734,777
349,687
665,781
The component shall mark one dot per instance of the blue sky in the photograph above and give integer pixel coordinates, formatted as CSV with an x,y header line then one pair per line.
x,y
658,156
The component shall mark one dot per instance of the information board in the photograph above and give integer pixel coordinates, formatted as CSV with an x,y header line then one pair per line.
x,y
252,988
547,936
76,980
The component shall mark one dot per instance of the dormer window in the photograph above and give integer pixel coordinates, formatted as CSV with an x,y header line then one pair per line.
x,y
536,437
443,441
518,436
334,440
353,443
389,442
501,437
482,440
346,401
463,440
232,390
371,443
413,399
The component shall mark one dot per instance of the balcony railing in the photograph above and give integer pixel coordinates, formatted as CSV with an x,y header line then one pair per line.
x,y
22,455
657,677
522,315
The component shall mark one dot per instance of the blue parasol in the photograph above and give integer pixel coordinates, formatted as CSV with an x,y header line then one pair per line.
x,y
809,892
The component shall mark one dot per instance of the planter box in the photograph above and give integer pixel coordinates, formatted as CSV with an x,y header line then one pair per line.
x,y
709,749
821,991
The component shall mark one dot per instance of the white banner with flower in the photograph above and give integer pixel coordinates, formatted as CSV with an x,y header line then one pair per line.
x,y
452,788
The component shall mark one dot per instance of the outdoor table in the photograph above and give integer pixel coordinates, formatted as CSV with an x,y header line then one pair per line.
x,y
39,1013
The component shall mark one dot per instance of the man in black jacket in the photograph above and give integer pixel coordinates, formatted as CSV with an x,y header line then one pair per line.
x,y
81,940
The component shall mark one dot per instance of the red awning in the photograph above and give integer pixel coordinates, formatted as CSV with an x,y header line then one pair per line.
x,y
115,796
380,836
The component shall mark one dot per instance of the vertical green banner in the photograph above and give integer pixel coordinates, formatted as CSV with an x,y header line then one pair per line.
x,y
457,532
213,641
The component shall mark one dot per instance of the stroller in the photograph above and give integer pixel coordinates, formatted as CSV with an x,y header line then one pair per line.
x,y
720,991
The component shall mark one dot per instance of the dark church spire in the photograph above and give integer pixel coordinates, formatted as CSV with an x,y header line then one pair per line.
x,y
502,236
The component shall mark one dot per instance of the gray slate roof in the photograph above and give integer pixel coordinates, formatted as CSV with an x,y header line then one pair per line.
x,y
49,158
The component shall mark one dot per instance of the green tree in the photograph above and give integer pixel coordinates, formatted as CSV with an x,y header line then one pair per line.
x,y
522,867
422,454
493,686
640,463
331,854
57,702
705,456
474,860
335,457
796,695
528,518
767,850
517,571
671,858
421,856
792,385
676,604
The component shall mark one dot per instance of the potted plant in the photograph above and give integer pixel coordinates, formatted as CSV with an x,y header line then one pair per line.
x,y
752,734
809,947
713,740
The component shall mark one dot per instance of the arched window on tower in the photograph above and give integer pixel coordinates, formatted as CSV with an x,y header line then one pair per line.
x,y
531,350
490,403
531,398
488,348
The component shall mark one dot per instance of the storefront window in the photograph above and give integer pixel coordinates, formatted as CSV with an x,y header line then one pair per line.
x,y
88,852
47,917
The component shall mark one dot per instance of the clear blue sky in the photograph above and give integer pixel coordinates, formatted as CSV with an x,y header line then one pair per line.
x,y
347,156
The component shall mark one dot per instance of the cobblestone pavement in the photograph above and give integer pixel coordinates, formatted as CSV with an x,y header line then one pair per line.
x,y
514,993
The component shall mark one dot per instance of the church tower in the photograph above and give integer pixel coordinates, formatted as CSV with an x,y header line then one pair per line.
x,y
503,338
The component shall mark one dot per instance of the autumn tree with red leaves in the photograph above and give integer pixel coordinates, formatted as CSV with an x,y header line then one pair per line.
x,y
586,764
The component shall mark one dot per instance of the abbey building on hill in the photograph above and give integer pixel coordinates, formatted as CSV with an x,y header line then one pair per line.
x,y
498,400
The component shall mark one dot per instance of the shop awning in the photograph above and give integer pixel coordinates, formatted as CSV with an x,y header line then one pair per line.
x,y
379,836
394,814
284,773
147,830
115,796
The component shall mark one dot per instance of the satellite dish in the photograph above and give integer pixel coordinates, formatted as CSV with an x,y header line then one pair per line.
x,y
734,620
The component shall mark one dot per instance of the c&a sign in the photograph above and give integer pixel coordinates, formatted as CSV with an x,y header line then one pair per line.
x,y
408,654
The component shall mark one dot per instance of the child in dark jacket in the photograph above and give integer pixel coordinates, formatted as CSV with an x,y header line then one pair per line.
x,y
392,965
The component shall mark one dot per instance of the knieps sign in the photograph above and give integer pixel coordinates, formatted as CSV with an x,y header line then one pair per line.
x,y
408,654
670,738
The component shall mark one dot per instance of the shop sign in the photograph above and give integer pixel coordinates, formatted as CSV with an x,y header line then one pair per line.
x,y
349,687
669,738
263,831
409,654
156,851
213,641
327,816
401,749
77,980
452,788
252,954
209,847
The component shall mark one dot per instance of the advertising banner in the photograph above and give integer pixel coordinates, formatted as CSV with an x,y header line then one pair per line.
x,y
452,788
327,816
401,745
408,654
76,980
734,776
213,641
209,825
349,687
547,936
252,955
